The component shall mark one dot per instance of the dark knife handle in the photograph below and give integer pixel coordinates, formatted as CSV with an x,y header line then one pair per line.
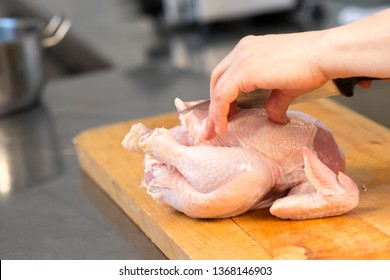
x,y
347,85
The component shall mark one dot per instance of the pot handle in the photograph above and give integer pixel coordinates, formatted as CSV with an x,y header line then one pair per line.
x,y
55,30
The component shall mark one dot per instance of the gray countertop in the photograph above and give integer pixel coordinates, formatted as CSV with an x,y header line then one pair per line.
x,y
49,209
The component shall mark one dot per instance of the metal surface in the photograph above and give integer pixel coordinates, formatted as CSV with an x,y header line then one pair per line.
x,y
258,98
21,165
22,73
55,30
58,212
48,208
183,11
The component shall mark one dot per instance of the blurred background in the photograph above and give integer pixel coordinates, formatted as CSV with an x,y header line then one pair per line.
x,y
188,34
121,60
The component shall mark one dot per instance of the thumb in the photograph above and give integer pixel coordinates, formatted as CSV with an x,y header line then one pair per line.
x,y
277,105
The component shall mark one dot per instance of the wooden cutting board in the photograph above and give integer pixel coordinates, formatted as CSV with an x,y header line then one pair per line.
x,y
363,233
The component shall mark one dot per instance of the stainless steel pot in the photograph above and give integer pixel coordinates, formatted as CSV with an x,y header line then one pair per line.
x,y
22,70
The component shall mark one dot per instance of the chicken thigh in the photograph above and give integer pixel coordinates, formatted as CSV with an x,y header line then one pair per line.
x,y
295,169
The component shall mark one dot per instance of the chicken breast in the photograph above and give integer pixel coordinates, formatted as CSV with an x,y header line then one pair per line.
x,y
295,169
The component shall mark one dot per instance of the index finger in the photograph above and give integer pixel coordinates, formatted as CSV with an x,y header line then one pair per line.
x,y
277,105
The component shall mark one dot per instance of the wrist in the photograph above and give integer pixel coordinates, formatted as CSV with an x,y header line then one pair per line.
x,y
357,49
333,50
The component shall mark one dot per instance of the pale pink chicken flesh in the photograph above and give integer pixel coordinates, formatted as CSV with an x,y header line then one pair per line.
x,y
295,169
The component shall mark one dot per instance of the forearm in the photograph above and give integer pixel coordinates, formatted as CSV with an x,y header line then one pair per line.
x,y
292,64
358,49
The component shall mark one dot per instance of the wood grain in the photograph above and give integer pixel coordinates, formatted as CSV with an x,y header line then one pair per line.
x,y
363,233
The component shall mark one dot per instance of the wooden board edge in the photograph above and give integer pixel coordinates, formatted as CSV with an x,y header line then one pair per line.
x,y
89,163
147,224
109,187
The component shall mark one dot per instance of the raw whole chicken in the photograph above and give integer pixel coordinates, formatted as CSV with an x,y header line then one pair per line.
x,y
295,169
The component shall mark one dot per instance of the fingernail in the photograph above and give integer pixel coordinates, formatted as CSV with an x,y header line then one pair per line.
x,y
217,129
208,133
286,119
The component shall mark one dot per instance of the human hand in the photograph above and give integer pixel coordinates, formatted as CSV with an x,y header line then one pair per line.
x,y
293,64
287,64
